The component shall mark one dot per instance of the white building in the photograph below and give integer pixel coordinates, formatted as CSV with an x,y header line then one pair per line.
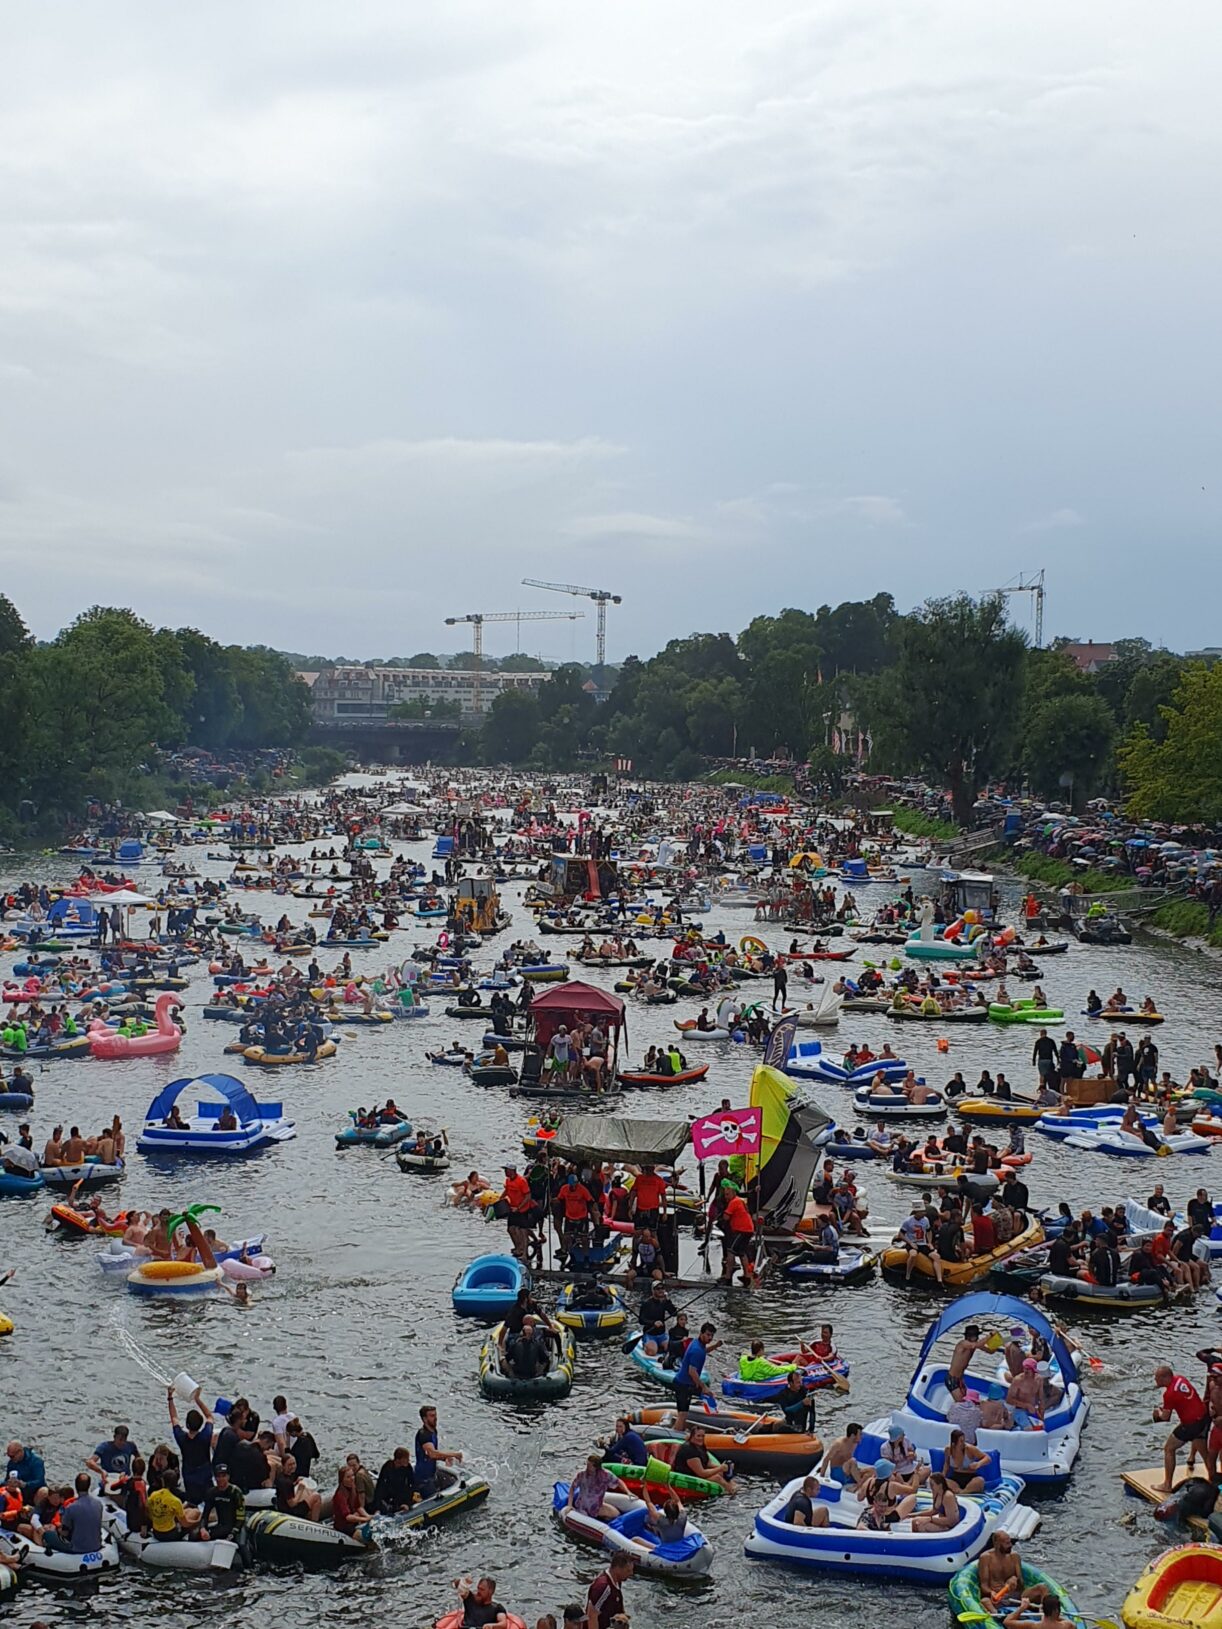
x,y
349,694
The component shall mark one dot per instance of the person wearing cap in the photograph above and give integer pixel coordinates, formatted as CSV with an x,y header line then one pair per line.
x,y
1015,1350
908,1473
589,1488
964,1409
879,1498
222,1510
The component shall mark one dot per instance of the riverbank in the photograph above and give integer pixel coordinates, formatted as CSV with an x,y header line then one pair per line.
x,y
915,824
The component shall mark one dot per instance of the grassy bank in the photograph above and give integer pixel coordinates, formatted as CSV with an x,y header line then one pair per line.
x,y
1059,874
915,824
1187,919
781,784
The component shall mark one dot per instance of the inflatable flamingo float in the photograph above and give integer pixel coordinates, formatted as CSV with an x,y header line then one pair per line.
x,y
167,1037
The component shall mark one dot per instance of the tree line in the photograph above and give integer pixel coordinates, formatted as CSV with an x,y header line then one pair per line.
x,y
951,691
97,706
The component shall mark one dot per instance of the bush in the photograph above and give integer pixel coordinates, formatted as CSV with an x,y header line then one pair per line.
x,y
915,824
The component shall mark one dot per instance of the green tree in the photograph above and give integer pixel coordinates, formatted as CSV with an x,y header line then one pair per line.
x,y
856,636
1180,777
16,647
1151,691
1070,735
785,700
511,728
520,663
98,707
949,704
214,711
275,702
422,659
426,707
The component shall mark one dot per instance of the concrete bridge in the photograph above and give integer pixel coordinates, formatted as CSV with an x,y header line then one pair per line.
x,y
389,740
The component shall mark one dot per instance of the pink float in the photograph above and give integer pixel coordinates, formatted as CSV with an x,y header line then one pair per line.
x,y
167,1037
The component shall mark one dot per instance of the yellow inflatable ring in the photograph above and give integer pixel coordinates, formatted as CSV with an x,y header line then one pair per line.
x,y
751,946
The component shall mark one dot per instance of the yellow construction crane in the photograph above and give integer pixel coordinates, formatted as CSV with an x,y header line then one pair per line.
x,y
477,620
602,597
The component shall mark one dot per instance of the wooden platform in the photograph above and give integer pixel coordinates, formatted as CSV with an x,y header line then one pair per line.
x,y
1144,1485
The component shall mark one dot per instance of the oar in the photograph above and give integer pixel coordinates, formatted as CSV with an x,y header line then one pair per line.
x,y
838,1380
634,1340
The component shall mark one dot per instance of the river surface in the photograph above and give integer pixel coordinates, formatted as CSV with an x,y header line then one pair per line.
x,y
357,1327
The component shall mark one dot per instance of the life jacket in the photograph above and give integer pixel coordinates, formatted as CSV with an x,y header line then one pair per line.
x,y
11,1504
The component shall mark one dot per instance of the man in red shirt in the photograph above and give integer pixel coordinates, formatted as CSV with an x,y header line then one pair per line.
x,y
739,1231
516,1194
606,1598
984,1238
648,1197
1180,1397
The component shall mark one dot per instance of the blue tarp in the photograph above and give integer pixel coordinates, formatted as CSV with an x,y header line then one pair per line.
x,y
980,1305
233,1091
79,910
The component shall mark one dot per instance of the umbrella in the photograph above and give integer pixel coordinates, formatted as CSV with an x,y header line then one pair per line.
x,y
126,896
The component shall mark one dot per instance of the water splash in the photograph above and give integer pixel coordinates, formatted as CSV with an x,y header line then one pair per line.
x,y
129,1343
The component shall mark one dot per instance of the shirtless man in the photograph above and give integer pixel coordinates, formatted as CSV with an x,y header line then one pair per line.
x,y
1051,1618
157,1238
1026,1393
53,1152
1000,1572
74,1148
839,1464
964,1351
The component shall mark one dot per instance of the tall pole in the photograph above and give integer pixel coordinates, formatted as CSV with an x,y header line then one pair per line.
x,y
602,633
477,650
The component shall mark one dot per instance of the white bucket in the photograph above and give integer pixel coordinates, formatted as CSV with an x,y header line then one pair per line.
x,y
185,1386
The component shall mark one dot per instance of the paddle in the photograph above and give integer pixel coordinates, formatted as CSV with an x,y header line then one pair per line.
x,y
634,1340
837,1380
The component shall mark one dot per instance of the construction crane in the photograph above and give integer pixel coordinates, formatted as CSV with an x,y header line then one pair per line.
x,y
477,620
1033,585
602,597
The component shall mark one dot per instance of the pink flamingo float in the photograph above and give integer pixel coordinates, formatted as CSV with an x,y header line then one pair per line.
x,y
167,1037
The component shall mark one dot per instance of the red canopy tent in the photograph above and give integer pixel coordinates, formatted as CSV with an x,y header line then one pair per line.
x,y
571,1002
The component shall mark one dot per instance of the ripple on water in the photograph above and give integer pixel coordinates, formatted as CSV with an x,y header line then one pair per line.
x,y
357,1327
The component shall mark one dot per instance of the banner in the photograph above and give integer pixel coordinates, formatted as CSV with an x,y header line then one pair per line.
x,y
780,1042
728,1132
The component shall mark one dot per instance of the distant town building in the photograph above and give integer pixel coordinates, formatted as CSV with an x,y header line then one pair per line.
x,y
1210,653
347,694
1088,656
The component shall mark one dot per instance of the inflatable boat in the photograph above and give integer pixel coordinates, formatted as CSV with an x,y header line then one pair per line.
x,y
494,1381
380,1136
967,1602
488,1287
1042,1458
173,1555
593,1312
898,1552
273,1536
1183,1586
629,1534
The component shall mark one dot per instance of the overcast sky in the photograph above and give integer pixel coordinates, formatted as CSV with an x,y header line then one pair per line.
x,y
319,323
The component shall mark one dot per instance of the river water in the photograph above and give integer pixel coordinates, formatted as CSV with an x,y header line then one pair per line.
x,y
357,1327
